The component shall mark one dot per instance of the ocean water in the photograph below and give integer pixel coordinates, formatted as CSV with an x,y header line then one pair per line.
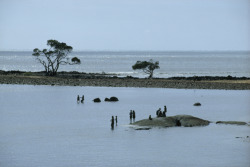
x,y
45,126
120,63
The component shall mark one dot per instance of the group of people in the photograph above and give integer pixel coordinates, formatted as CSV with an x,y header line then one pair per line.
x,y
80,99
132,114
113,121
160,113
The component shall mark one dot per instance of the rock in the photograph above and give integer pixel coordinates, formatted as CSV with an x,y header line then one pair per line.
x,y
97,100
147,128
172,121
106,99
231,122
113,99
197,104
242,137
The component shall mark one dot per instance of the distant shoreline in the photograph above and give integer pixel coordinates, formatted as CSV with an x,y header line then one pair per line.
x,y
144,51
106,80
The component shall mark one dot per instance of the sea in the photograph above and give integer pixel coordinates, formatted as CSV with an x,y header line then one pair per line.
x,y
119,63
45,126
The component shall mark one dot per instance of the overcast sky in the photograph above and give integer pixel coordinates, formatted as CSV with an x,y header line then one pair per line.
x,y
126,24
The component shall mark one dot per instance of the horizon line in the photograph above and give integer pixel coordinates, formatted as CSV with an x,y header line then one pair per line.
x,y
27,50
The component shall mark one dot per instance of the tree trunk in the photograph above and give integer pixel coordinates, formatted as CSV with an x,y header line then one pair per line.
x,y
151,75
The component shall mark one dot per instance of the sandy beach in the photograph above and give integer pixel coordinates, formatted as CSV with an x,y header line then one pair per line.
x,y
83,79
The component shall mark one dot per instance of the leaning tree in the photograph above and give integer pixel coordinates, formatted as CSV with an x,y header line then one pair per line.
x,y
55,56
148,67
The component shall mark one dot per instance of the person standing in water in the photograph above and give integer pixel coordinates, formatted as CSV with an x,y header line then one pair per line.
x,y
112,122
133,115
78,99
116,120
82,99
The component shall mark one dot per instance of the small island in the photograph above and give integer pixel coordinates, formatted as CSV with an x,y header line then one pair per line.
x,y
172,121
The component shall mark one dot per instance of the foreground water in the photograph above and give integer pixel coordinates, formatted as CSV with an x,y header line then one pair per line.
x,y
44,126
120,63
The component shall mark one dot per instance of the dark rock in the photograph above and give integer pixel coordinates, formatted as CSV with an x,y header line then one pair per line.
x,y
142,128
177,123
106,99
97,100
197,104
231,122
128,76
113,98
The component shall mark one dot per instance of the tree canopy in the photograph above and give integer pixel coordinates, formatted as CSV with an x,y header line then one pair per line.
x,y
55,56
148,67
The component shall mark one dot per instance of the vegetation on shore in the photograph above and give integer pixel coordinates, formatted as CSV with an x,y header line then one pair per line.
x,y
147,67
56,55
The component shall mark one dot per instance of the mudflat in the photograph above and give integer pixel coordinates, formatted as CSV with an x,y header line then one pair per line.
x,y
98,79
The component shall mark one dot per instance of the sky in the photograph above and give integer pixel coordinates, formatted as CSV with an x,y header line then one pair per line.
x,y
126,25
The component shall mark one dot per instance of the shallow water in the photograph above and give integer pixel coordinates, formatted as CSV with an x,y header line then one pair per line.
x,y
44,126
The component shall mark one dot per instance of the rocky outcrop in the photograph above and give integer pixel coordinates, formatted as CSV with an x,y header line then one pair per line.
x,y
112,99
197,104
231,122
106,99
144,128
97,100
172,121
